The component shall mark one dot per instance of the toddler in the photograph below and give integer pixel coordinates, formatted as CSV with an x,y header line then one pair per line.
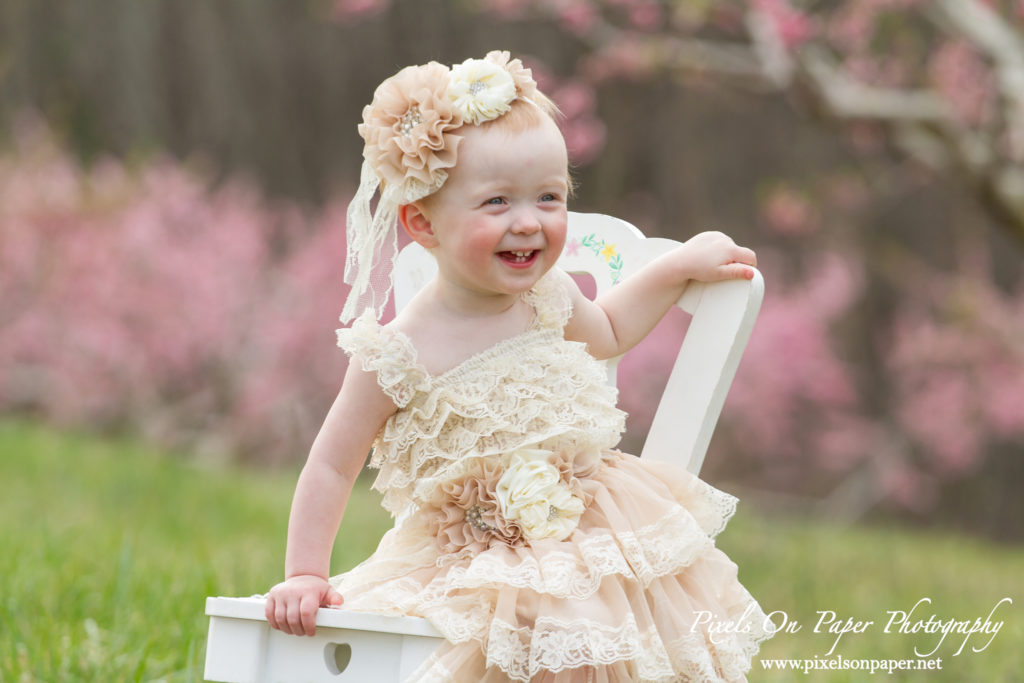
x,y
535,548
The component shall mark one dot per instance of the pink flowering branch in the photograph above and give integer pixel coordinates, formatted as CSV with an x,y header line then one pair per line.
x,y
964,109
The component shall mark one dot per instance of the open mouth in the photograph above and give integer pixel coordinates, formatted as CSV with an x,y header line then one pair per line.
x,y
519,258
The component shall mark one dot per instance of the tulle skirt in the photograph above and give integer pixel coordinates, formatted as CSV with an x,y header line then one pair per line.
x,y
637,592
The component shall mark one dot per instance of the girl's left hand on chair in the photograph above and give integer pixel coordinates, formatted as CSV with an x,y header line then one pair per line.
x,y
712,256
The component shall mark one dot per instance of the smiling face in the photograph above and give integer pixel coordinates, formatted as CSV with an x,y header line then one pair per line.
x,y
499,222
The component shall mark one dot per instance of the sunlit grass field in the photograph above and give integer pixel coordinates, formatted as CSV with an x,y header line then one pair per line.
x,y
108,550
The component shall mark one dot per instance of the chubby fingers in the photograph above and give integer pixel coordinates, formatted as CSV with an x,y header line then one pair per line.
x,y
731,271
269,612
745,255
742,266
738,271
277,611
293,609
302,616
295,615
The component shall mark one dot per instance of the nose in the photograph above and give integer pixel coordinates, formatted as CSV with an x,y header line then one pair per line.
x,y
525,222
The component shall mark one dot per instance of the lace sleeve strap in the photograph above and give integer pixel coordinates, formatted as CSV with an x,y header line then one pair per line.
x,y
551,300
386,352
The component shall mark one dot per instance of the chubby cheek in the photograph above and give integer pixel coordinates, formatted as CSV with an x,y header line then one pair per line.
x,y
479,244
555,235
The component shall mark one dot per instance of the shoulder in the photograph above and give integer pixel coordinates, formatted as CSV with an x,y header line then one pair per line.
x,y
385,355
557,279
554,298
354,420
588,322
364,394
422,325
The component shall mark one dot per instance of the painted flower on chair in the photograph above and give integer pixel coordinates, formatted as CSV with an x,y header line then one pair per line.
x,y
481,90
407,129
608,252
532,492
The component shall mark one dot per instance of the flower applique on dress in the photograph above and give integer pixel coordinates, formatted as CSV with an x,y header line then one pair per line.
x,y
535,548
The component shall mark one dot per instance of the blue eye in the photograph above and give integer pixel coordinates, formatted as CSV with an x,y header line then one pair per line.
x,y
495,201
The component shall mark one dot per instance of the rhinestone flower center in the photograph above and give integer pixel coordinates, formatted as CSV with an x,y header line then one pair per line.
x,y
475,520
477,87
410,120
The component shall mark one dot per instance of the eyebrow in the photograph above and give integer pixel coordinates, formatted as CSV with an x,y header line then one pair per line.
x,y
500,186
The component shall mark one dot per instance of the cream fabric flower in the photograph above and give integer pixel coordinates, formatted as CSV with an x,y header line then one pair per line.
x,y
481,90
521,76
532,493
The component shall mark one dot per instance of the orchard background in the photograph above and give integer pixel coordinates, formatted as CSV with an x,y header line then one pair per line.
x,y
174,176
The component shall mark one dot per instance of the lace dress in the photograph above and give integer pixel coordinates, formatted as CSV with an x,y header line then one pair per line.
x,y
540,553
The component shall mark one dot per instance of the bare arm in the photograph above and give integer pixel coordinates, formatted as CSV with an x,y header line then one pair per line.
x,y
621,317
324,485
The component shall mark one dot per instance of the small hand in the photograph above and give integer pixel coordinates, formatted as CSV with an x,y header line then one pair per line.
x,y
292,604
712,256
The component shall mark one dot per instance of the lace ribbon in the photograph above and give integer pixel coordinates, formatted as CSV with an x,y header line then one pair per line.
x,y
372,238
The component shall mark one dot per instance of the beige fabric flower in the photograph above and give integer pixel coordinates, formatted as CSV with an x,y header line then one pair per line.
x,y
407,129
464,510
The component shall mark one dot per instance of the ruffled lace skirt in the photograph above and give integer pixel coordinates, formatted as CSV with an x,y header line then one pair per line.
x,y
636,592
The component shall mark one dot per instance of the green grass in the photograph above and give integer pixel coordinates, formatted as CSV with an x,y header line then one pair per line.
x,y
804,568
108,549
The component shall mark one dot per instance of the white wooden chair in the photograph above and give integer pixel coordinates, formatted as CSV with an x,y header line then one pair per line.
x,y
359,647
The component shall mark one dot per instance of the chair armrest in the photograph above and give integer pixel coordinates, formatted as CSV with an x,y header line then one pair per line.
x,y
723,318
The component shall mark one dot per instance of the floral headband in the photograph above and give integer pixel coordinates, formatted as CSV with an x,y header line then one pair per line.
x,y
410,145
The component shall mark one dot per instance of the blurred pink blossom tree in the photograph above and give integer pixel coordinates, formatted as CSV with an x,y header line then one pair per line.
x,y
139,296
956,356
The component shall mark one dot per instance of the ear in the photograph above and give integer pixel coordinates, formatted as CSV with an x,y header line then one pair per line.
x,y
417,225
